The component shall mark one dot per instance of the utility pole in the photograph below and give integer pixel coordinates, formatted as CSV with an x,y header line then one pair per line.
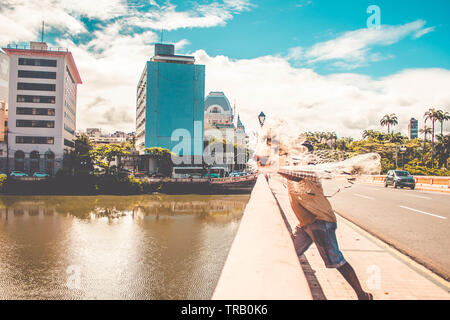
x,y
42,33
396,156
7,150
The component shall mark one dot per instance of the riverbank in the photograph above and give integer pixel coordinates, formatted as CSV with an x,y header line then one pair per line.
x,y
112,185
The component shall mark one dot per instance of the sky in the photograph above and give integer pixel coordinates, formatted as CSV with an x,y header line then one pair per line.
x,y
317,65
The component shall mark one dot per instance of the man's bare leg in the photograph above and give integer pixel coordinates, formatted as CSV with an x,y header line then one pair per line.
x,y
349,274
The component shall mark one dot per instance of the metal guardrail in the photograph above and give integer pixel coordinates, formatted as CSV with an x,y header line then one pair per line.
x,y
235,179
204,180
28,178
428,180
27,47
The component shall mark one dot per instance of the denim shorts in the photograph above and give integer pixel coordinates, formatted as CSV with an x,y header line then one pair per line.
x,y
323,234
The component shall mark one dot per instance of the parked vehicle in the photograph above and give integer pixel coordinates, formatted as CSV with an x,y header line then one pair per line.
x,y
195,176
212,175
18,174
399,178
238,174
40,175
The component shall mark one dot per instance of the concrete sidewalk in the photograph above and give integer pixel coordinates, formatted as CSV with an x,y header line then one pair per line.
x,y
382,270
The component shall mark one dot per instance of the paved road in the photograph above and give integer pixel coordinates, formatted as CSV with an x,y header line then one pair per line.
x,y
415,222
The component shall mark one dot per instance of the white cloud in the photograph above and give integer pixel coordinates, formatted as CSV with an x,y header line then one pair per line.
x,y
20,20
111,63
200,16
303,3
423,32
355,48
110,66
345,103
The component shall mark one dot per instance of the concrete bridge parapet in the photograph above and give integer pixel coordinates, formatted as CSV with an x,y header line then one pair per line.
x,y
262,263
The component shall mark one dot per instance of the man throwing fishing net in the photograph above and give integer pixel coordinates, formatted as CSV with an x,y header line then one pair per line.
x,y
317,220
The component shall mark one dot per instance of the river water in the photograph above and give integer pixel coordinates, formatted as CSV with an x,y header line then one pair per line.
x,y
115,247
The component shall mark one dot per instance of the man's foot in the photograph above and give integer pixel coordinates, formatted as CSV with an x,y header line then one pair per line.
x,y
366,296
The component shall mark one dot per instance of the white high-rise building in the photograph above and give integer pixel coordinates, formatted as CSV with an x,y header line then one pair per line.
x,y
42,107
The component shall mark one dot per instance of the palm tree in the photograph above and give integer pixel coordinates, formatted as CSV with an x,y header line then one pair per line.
x,y
332,137
367,134
425,131
343,143
396,138
443,148
442,117
389,120
433,115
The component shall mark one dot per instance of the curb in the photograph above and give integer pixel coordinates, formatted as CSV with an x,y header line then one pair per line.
x,y
441,190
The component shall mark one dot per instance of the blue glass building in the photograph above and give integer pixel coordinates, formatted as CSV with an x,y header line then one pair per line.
x,y
413,128
170,98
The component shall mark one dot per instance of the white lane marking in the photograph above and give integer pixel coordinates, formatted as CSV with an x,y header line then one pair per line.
x,y
427,213
413,195
363,196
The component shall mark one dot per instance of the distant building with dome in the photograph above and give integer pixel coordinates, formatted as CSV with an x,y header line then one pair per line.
x,y
220,115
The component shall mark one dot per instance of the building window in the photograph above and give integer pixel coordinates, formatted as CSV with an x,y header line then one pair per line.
x,y
69,129
36,99
49,162
37,62
69,143
36,74
36,111
36,86
34,162
34,140
70,75
19,160
35,123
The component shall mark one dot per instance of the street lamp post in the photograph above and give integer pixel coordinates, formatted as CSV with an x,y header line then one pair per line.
x,y
402,151
262,119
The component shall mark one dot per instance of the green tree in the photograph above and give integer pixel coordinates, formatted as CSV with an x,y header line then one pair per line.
x,y
343,144
396,137
389,120
83,146
78,159
103,155
443,149
433,115
368,134
425,131
442,116
164,158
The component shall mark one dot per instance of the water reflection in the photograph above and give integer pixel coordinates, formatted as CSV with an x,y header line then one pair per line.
x,y
130,247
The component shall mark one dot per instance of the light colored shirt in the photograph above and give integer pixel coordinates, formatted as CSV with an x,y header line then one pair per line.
x,y
308,202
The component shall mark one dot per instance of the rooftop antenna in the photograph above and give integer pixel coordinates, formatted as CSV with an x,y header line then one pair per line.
x,y
162,35
42,32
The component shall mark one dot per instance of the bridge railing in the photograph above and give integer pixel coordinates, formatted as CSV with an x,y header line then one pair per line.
x,y
204,180
262,263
